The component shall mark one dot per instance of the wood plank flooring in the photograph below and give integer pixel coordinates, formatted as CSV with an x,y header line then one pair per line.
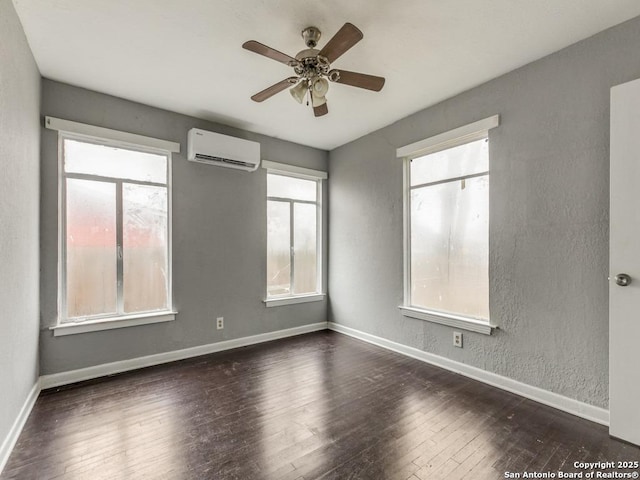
x,y
318,406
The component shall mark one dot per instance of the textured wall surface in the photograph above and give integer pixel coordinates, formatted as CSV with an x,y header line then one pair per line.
x,y
548,226
19,207
219,238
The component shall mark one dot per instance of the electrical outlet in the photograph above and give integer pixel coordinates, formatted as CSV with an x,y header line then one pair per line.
x,y
457,339
220,323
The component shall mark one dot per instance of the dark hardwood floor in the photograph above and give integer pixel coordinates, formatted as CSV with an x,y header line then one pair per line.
x,y
318,406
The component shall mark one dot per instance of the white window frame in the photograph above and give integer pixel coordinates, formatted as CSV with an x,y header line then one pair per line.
x,y
459,136
306,174
113,138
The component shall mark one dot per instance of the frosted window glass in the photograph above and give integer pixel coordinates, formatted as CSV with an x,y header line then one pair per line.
x,y
144,248
91,264
450,247
304,247
88,158
459,161
288,187
278,248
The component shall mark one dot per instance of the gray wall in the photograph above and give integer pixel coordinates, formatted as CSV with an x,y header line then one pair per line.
x,y
19,207
219,238
548,226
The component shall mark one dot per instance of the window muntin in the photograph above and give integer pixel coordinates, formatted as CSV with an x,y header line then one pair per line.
x,y
293,236
115,230
449,231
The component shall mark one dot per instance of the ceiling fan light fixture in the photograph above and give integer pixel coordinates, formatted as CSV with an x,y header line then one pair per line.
x,y
317,100
320,87
299,91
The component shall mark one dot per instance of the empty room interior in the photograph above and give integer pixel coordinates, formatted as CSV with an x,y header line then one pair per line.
x,y
319,240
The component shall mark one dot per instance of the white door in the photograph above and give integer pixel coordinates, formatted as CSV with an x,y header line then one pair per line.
x,y
624,259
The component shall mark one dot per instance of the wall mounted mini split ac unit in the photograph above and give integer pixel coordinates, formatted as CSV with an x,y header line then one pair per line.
x,y
222,150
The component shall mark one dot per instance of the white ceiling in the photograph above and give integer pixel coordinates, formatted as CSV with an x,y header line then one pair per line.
x,y
186,55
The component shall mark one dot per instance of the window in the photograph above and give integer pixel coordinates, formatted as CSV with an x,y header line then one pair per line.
x,y
114,230
449,198
447,223
294,234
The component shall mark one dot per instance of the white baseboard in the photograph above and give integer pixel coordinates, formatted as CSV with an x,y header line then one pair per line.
x,y
65,378
566,404
12,437
575,407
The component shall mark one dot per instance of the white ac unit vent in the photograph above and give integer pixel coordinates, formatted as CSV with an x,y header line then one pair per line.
x,y
222,150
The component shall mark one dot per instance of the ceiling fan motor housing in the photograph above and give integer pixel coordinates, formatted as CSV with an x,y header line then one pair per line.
x,y
309,64
308,53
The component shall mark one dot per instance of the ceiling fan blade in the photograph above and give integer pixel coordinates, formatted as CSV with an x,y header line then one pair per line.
x,y
361,80
273,89
321,110
342,41
260,49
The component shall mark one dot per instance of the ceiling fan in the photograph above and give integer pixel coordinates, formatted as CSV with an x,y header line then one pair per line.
x,y
313,70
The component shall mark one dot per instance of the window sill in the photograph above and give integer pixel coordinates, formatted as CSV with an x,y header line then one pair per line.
x,y
451,320
112,322
277,302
